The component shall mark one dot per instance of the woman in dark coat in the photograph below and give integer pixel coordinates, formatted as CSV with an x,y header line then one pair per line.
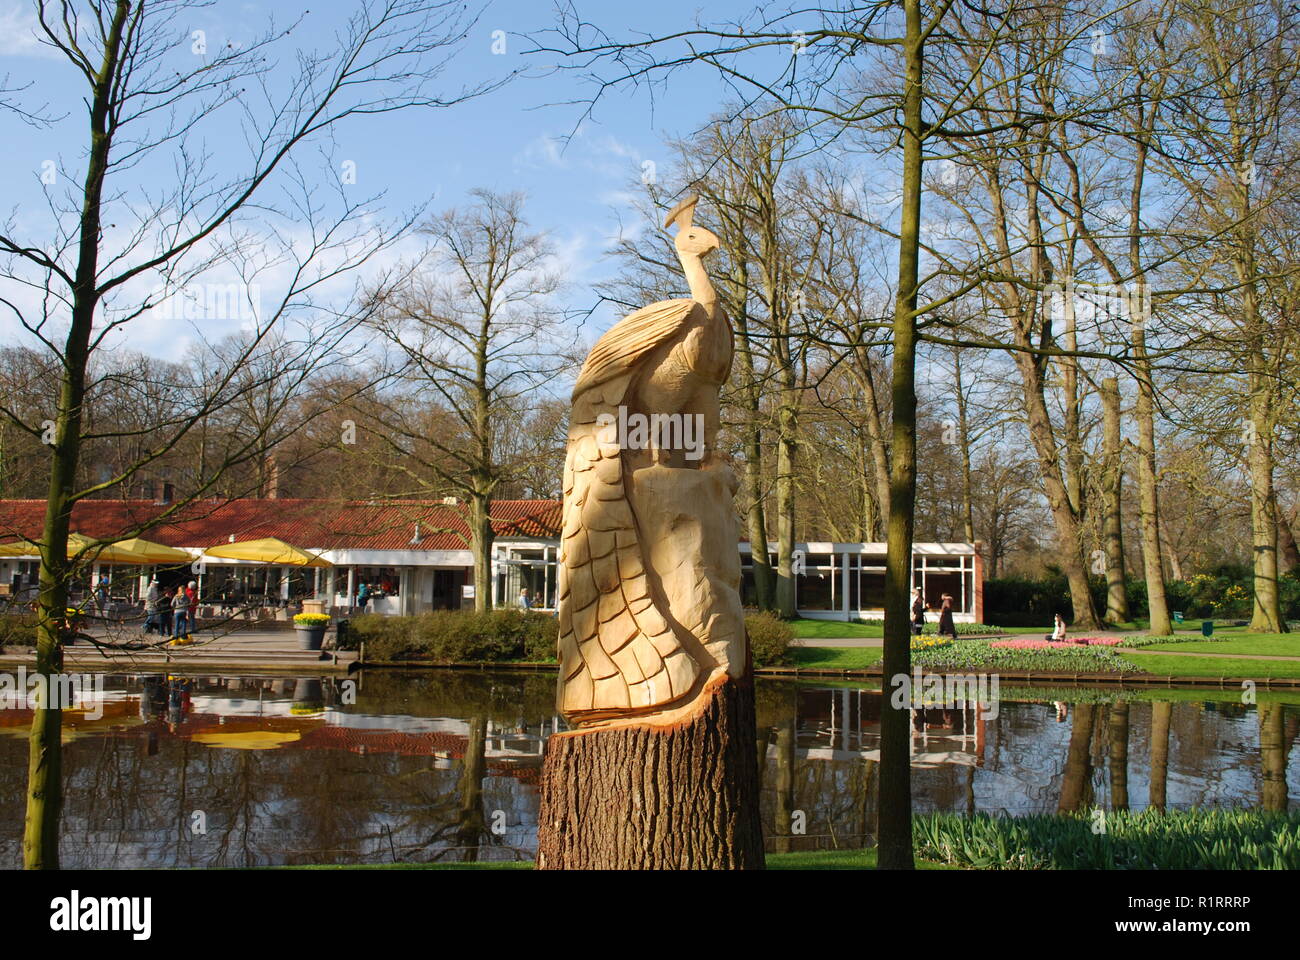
x,y
918,612
946,627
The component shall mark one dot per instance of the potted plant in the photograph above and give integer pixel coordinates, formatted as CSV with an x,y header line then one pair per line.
x,y
311,629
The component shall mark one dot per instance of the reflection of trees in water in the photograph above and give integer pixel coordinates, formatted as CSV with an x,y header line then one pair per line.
x,y
1273,749
1118,758
1161,710
1076,782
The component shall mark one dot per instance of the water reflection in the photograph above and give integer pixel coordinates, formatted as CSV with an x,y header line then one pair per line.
x,y
245,771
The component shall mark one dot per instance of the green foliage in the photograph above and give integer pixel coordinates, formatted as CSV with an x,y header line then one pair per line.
x,y
963,629
457,636
1027,602
1199,839
311,619
769,639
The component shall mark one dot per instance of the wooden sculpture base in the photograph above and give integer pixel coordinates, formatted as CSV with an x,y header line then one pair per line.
x,y
678,793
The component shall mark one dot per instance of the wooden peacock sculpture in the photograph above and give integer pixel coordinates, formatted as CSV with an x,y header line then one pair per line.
x,y
649,609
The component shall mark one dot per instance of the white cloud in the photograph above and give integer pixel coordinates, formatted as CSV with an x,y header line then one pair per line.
x,y
18,32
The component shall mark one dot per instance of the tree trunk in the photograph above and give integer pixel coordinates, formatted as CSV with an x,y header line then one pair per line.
x,y
963,437
481,537
894,847
1069,534
785,493
1148,494
1287,551
637,796
1113,497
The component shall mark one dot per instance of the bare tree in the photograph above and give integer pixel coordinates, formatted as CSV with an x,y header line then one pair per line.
x,y
128,240
477,327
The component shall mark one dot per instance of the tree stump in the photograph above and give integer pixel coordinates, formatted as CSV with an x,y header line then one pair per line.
x,y
678,792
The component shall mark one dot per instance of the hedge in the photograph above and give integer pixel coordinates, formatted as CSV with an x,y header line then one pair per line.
x,y
506,635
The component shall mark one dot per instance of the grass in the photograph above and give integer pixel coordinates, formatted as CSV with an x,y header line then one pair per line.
x,y
1174,666
1251,644
835,629
834,658
806,860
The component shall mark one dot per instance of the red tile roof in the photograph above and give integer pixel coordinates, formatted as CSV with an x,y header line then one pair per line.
x,y
314,524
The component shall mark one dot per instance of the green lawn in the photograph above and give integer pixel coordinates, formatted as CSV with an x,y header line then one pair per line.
x,y
1166,666
1255,644
835,658
835,629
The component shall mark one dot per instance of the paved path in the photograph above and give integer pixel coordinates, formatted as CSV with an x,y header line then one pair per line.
x,y
253,651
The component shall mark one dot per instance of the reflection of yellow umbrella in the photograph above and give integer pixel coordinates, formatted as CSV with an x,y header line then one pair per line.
x,y
135,550
247,740
268,550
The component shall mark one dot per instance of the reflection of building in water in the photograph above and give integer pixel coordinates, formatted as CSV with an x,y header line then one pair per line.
x,y
845,725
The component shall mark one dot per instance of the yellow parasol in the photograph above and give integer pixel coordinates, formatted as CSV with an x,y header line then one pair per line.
x,y
134,550
268,550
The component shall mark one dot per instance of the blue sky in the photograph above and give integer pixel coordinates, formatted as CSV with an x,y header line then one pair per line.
x,y
507,140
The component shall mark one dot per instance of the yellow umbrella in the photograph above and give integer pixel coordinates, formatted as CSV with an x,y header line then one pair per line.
x,y
134,550
268,550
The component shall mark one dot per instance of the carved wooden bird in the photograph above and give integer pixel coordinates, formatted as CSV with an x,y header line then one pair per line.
x,y
643,620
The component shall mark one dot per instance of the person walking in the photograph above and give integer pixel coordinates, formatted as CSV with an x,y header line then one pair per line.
x,y
918,612
101,594
153,607
946,626
180,606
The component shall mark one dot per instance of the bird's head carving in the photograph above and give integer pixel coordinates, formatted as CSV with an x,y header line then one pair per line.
x,y
690,239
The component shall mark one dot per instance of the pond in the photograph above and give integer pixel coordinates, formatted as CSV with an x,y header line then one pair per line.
x,y
443,765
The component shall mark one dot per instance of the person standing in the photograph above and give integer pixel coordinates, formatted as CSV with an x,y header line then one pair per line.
x,y
525,601
165,611
946,626
153,607
363,595
192,611
101,593
918,612
180,605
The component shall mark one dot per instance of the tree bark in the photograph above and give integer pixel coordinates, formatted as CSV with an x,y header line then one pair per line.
x,y
1113,497
638,796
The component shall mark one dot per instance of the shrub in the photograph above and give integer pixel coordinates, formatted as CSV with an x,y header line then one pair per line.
x,y
769,639
457,636
17,630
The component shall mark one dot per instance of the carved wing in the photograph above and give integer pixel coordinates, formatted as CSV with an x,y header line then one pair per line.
x,y
617,651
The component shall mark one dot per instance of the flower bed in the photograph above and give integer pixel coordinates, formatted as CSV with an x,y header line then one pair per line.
x,y
1028,643
1024,654
929,643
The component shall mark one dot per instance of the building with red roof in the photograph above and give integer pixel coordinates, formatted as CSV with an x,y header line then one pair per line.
x,y
414,555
